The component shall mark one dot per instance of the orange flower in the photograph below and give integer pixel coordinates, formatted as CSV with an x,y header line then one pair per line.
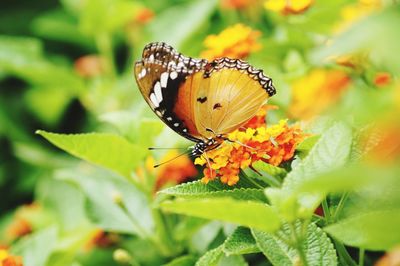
x,y
382,79
8,260
89,66
382,143
391,258
101,239
288,7
314,93
176,172
19,227
237,4
144,16
273,145
237,41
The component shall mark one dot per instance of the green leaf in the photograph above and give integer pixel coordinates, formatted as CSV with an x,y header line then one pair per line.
x,y
317,247
65,200
247,213
375,230
211,258
198,188
60,26
270,169
48,103
240,242
186,260
234,260
329,153
107,150
106,16
36,248
195,13
100,189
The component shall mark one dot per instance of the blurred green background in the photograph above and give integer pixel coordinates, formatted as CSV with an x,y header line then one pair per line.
x,y
66,67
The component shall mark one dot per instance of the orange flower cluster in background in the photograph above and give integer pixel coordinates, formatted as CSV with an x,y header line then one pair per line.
x,y
238,4
174,173
237,41
381,143
21,224
89,66
382,79
391,258
144,16
9,260
253,142
101,239
314,93
288,7
178,171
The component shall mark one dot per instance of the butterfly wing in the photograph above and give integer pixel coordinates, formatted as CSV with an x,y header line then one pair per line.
x,y
225,95
160,76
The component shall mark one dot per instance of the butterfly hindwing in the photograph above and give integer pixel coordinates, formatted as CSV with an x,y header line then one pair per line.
x,y
160,74
225,95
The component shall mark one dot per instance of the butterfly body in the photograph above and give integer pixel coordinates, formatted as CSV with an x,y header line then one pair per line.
x,y
200,100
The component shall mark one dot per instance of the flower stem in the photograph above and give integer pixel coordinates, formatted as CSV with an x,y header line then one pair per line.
x,y
340,206
343,254
164,239
361,257
327,212
104,45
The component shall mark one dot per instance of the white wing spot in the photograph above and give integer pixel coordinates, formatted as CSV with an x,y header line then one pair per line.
x,y
142,73
173,75
176,124
154,100
157,91
184,130
181,64
169,118
151,58
164,79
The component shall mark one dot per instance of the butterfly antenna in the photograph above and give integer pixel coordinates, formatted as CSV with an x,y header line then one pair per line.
x,y
153,148
170,160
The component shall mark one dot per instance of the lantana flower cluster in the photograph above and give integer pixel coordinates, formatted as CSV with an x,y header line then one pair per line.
x,y
237,41
253,142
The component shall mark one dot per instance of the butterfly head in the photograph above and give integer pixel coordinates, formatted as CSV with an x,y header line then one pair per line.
x,y
206,145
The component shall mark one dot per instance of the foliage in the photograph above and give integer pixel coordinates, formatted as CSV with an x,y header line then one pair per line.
x,y
96,199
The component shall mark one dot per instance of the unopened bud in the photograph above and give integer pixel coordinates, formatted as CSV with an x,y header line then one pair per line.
x,y
122,256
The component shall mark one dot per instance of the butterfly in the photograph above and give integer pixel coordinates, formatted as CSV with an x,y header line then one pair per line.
x,y
202,101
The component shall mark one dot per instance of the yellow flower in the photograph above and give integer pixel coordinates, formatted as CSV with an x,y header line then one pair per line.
x,y
357,11
288,7
325,85
237,41
274,145
8,260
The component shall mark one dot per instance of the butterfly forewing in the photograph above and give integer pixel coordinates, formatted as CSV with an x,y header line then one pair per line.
x,y
160,74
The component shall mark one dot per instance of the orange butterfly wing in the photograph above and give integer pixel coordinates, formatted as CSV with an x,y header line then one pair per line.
x,y
223,96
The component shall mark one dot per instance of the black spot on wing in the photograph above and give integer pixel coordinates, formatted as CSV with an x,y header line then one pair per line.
x,y
217,106
202,99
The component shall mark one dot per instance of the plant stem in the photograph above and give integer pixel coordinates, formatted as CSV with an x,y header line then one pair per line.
x,y
343,254
299,244
165,240
340,206
361,257
104,45
247,178
327,213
